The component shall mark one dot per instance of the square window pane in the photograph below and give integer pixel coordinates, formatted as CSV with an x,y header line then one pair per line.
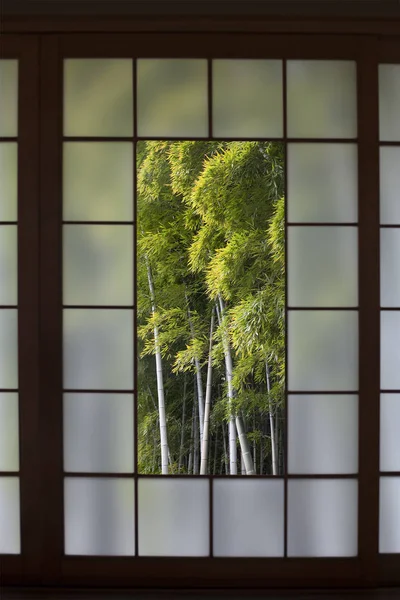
x,y
98,349
98,433
323,350
390,267
390,185
322,517
247,98
390,350
258,531
98,181
8,97
315,424
99,516
9,432
8,264
322,183
389,515
98,97
174,517
8,348
389,102
321,99
10,536
322,266
172,97
390,432
8,181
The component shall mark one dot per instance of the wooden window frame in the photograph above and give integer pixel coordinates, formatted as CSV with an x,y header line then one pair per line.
x,y
41,44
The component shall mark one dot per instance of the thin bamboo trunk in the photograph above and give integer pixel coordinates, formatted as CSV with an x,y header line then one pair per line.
x,y
271,422
190,464
183,426
254,444
200,394
206,428
196,440
214,471
226,461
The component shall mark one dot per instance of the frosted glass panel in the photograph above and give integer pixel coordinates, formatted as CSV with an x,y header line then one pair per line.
x,y
389,102
174,517
390,185
99,516
323,350
9,432
322,183
8,181
247,98
172,97
8,264
321,99
390,350
10,538
390,432
315,424
98,264
98,97
322,266
98,181
322,517
8,98
390,267
98,433
98,349
8,348
258,531
389,515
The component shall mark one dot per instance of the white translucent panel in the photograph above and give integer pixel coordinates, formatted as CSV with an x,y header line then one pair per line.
x,y
8,181
9,432
247,98
172,97
8,264
98,97
322,517
321,99
98,181
98,264
389,102
323,350
390,267
322,266
389,515
390,185
322,183
174,517
257,530
315,424
98,349
8,98
390,350
10,536
99,516
8,348
390,432
98,433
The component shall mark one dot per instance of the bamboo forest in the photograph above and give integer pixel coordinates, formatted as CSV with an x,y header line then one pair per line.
x,y
210,307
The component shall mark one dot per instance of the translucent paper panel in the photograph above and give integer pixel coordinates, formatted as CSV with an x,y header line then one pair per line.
x,y
98,97
322,517
321,99
98,264
390,267
98,433
389,515
9,432
390,432
98,349
8,264
323,266
322,183
99,516
10,537
8,181
247,98
390,185
8,348
389,102
174,517
315,424
8,98
98,181
172,97
323,350
390,350
258,531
